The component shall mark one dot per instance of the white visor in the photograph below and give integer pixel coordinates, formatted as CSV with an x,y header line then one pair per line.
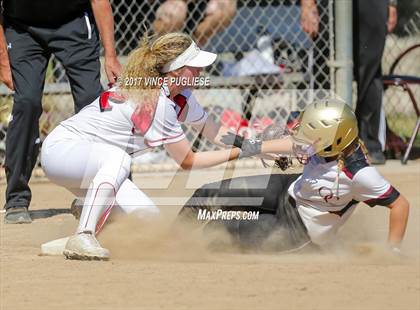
x,y
192,57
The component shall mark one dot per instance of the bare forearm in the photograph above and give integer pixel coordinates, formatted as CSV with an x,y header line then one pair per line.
x,y
307,3
181,152
210,158
398,220
103,16
5,69
278,146
4,58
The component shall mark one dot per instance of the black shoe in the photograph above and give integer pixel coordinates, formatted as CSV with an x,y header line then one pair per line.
x,y
19,215
377,158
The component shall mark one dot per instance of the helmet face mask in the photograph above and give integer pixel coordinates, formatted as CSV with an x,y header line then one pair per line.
x,y
304,148
326,127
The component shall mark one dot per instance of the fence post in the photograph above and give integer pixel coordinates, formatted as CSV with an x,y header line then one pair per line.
x,y
344,50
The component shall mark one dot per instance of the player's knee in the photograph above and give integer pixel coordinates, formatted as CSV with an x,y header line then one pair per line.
x,y
201,192
221,11
209,190
170,17
219,15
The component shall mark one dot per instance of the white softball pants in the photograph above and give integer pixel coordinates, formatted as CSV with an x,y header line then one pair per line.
x,y
97,171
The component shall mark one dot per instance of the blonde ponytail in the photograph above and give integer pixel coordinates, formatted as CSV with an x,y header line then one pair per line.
x,y
138,80
363,147
340,166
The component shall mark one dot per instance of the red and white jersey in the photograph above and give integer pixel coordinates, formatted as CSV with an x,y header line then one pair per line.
x,y
323,207
111,119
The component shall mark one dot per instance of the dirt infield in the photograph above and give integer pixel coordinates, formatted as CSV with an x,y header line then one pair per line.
x,y
151,268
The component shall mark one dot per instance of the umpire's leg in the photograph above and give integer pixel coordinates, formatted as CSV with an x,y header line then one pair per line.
x,y
28,61
76,46
369,39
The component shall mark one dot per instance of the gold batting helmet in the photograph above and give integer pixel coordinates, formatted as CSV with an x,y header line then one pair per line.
x,y
328,126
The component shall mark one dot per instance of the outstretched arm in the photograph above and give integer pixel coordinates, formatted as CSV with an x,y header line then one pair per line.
x,y
181,152
398,221
220,135
251,147
278,146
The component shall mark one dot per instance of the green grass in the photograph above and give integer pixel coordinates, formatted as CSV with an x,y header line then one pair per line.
x,y
403,125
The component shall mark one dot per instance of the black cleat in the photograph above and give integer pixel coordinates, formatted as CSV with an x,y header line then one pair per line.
x,y
18,215
377,158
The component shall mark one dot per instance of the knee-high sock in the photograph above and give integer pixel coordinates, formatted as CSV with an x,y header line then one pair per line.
x,y
102,192
99,198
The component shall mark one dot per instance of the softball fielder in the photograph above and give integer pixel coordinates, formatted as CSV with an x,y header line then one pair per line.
x,y
308,208
90,153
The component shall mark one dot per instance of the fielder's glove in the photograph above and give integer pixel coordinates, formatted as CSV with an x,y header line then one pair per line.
x,y
249,147
272,132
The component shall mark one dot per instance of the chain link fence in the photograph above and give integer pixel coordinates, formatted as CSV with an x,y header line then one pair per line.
x,y
399,110
266,62
267,66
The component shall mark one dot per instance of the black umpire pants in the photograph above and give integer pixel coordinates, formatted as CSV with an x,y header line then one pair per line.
x,y
76,45
370,31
